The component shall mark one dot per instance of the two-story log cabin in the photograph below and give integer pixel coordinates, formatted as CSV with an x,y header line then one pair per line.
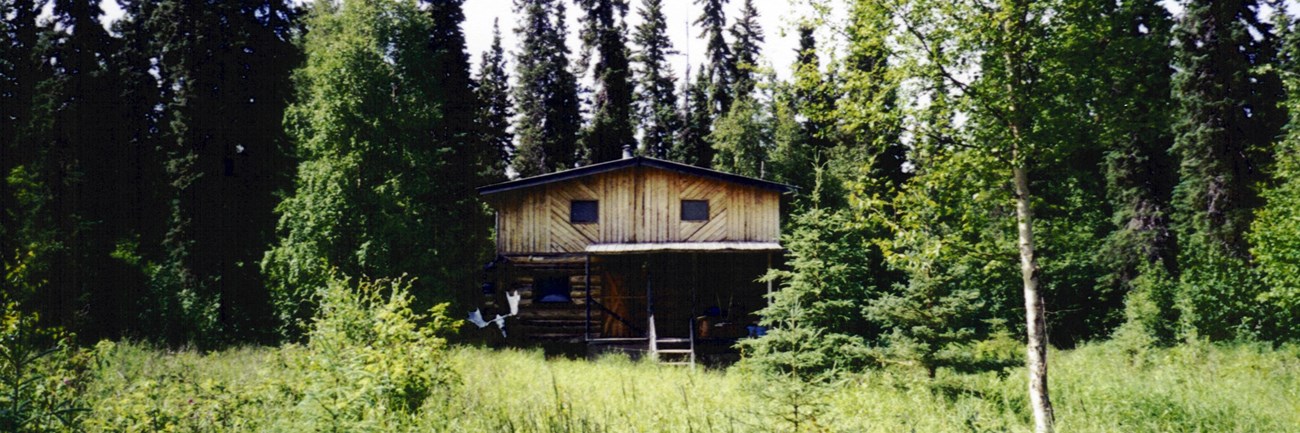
x,y
637,252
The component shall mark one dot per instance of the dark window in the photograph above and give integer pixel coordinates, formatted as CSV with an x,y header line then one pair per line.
x,y
695,210
583,211
549,290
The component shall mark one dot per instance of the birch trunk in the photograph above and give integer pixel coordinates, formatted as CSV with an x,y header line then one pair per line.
x,y
1036,359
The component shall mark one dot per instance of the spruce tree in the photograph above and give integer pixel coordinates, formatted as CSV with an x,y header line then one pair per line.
x,y
656,84
720,67
228,161
746,47
816,323
547,91
454,93
467,160
692,145
140,215
611,125
72,183
494,92
1227,118
1135,110
20,70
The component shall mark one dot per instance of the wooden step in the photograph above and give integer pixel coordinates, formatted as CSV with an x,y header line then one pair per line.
x,y
555,336
567,313
676,351
543,321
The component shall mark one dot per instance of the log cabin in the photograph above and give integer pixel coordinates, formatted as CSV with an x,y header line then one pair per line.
x,y
639,254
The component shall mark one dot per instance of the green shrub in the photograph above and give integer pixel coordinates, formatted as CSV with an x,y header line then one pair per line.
x,y
40,375
371,364
371,361
1275,240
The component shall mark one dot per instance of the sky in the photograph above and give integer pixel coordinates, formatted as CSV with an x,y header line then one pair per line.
x,y
775,16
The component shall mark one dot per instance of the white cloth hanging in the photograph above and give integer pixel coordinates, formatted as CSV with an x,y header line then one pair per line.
x,y
513,299
501,323
476,318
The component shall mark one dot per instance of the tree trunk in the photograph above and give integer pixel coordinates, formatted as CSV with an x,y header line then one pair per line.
x,y
1036,359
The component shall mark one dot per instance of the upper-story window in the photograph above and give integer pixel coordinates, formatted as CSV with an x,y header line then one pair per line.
x,y
695,210
584,211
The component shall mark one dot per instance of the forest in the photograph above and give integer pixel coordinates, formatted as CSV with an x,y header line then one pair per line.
x,y
983,187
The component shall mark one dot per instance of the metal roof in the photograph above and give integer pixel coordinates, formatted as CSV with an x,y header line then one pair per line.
x,y
655,247
637,161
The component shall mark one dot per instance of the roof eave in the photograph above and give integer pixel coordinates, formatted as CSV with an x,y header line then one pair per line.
x,y
638,161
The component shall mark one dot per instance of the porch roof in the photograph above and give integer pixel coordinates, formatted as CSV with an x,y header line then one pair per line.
x,y
683,247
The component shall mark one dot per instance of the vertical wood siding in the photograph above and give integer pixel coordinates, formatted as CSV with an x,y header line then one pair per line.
x,y
639,204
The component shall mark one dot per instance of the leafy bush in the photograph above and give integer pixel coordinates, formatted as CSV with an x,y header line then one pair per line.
x,y
375,193
371,360
40,375
371,364
1275,240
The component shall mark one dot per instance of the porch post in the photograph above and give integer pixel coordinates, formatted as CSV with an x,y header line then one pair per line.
x,y
587,283
769,281
650,310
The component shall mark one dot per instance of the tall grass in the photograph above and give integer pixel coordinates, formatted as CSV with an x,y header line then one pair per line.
x,y
1096,388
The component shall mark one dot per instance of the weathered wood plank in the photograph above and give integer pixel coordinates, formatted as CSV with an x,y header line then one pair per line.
x,y
640,204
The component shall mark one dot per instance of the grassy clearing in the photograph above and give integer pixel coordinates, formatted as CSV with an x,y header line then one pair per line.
x,y
1099,388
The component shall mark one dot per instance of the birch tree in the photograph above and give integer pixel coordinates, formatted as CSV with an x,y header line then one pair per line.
x,y
988,52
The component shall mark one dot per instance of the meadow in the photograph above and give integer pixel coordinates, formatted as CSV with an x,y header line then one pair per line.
x,y
1096,388
370,363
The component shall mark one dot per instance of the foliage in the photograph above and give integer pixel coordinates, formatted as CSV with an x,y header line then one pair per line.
x,y
742,139
546,93
803,135
494,91
374,195
1149,314
19,71
1129,82
371,358
692,145
226,157
67,155
40,375
371,364
955,258
611,127
817,326
656,102
746,47
717,75
865,106
1275,233
1227,119
1207,387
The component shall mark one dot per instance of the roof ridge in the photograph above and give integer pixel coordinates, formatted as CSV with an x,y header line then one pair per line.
x,y
636,161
